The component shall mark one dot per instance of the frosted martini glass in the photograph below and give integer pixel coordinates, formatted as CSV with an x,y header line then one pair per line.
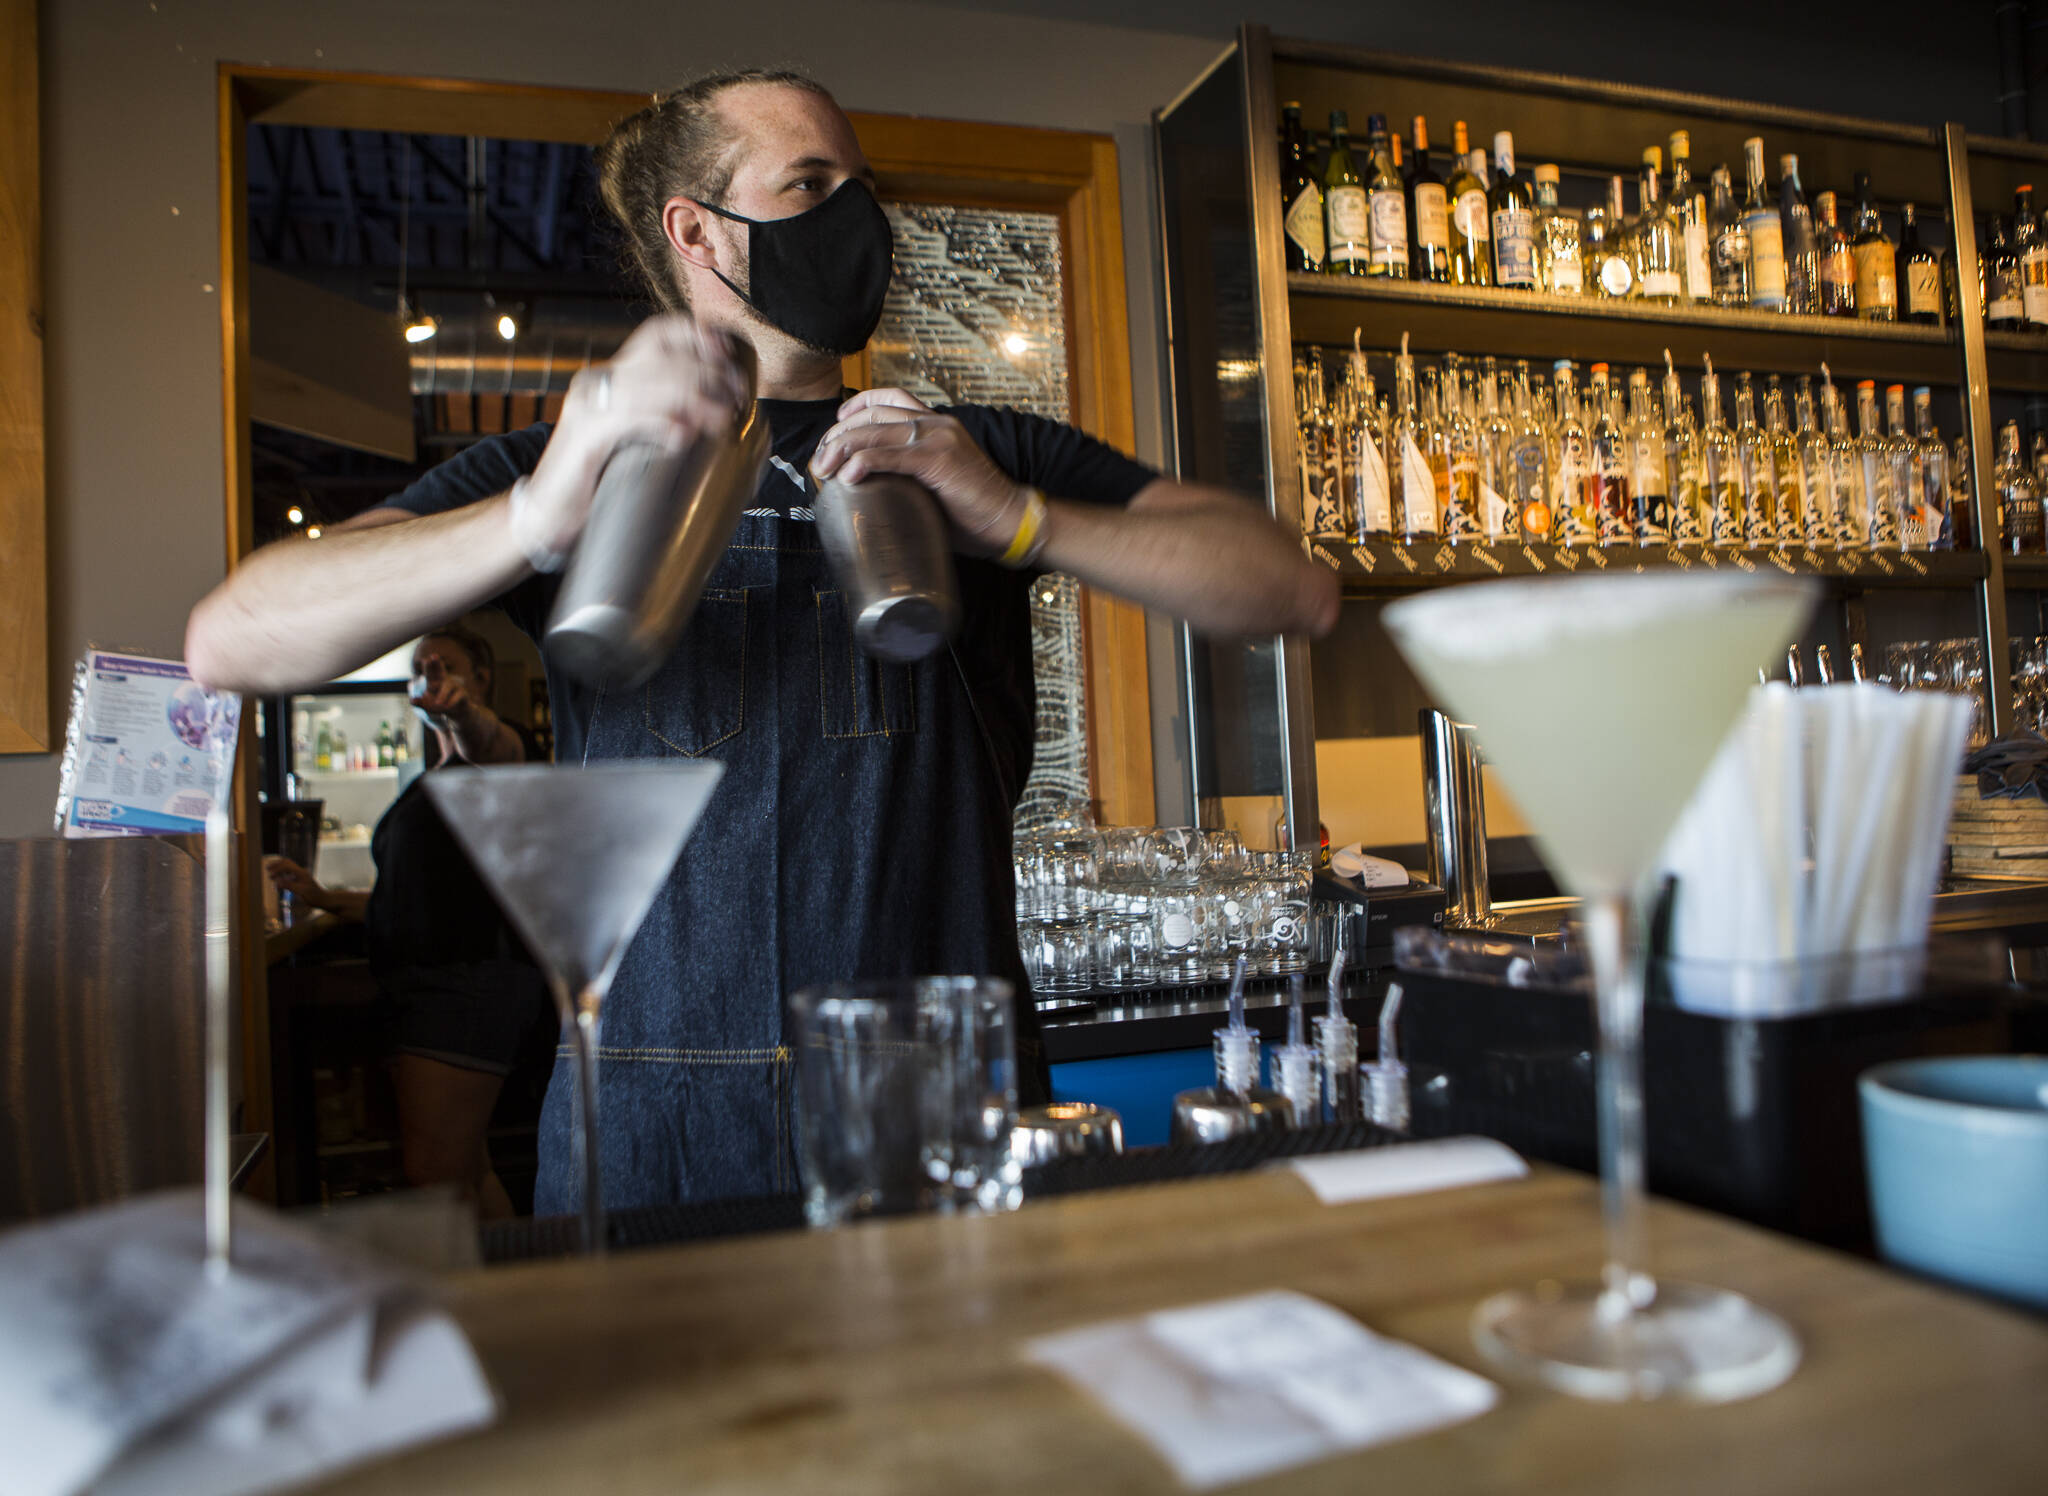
x,y
1600,701
575,857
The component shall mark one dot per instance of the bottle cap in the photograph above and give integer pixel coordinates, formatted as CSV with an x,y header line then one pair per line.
x,y
1922,392
1866,384
1895,389
1546,173
1375,124
1504,149
1339,120
1599,368
1825,201
1788,166
1653,157
1681,144
1293,104
1420,128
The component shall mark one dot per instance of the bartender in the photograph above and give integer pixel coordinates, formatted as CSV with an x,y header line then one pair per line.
x,y
863,825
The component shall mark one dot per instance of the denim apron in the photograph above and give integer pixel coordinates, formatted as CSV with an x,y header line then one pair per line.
x,y
861,829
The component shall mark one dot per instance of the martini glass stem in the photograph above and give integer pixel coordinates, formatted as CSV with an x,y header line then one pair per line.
x,y
1618,982
583,1031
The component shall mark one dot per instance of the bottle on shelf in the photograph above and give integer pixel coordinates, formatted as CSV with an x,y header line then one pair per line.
x,y
1683,460
1649,487
1659,241
1802,256
1917,272
1371,501
1471,218
1968,537
1495,436
1904,456
1852,488
1598,249
2019,500
1721,469
1875,460
1301,195
1415,511
1837,260
1729,237
1575,476
1429,212
1614,514
2004,298
1789,521
1465,517
2030,244
1308,454
1689,208
1753,469
1513,203
1766,233
1560,266
1877,280
385,751
401,744
1386,204
323,748
1347,214
1816,470
1324,512
1529,487
1944,532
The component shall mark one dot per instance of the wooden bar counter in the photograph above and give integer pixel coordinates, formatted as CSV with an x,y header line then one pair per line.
x,y
884,1358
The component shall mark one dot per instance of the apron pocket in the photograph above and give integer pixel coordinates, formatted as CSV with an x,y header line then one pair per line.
x,y
858,696
698,699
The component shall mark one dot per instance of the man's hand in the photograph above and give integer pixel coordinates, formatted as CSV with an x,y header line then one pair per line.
x,y
669,382
443,697
892,431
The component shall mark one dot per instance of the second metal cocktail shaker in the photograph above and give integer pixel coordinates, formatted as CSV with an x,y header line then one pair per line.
x,y
658,524
887,544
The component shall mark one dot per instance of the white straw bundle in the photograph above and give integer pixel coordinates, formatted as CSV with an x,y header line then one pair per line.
x,y
1820,827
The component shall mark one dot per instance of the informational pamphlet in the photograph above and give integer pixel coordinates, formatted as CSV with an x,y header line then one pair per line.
x,y
149,750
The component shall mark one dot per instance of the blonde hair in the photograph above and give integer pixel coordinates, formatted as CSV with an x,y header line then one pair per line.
x,y
675,147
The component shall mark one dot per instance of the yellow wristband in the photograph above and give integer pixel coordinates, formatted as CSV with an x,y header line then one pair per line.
x,y
1024,545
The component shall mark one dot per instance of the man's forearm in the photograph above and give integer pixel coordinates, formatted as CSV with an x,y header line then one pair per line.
x,y
304,611
1201,554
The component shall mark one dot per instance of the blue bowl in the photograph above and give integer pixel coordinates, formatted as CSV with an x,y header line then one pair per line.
x,y
1957,1152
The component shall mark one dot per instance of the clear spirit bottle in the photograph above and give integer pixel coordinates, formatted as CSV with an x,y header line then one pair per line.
x,y
1464,517
1560,262
1659,242
1496,438
1529,473
1649,485
1789,525
1852,488
1904,457
1614,515
1938,502
1331,517
1753,467
1513,202
1690,209
1415,510
1766,233
1730,240
1372,501
1875,459
1722,468
1308,447
1816,470
1683,460
1802,245
1612,259
1575,480
1837,260
2019,501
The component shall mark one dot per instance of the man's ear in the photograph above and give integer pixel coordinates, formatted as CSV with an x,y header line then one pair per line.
x,y
686,224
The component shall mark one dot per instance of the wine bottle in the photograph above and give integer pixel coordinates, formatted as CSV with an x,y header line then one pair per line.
x,y
1301,195
1347,218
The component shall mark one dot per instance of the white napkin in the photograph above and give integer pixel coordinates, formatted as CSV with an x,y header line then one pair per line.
x,y
1356,863
1243,1387
126,1368
1407,1169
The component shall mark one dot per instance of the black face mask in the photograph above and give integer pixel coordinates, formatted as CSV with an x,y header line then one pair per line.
x,y
821,276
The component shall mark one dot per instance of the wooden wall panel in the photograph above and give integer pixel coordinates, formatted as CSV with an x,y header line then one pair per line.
x,y
24,585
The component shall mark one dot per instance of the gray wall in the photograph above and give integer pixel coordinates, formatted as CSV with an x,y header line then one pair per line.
x,y
135,473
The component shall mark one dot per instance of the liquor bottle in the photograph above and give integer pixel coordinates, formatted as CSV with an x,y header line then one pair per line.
x,y
1347,216
1937,501
1471,231
1371,503
1575,480
1816,470
1560,266
1877,281
401,744
1660,244
1918,271
323,749
1753,468
1415,511
1465,516
1729,236
1786,469
1513,203
1387,205
1875,461
1529,487
1308,445
1495,436
1325,506
384,758
1614,514
1837,260
2004,298
1682,463
1802,250
1766,233
1852,490
339,758
1649,489
1429,213
1903,454
1960,491
2031,245
1614,263
2019,501
1301,195
1690,209
1722,468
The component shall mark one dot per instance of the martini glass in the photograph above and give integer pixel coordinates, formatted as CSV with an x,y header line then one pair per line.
x,y
1601,701
575,856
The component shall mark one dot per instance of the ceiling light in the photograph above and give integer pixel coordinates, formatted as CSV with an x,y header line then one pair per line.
x,y
1015,344
420,329
508,327
312,532
296,515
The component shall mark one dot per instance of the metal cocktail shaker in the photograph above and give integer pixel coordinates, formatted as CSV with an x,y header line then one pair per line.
x,y
886,542
658,524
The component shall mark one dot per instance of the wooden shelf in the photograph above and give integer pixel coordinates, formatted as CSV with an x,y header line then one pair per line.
x,y
1541,326
2026,571
1391,566
2018,361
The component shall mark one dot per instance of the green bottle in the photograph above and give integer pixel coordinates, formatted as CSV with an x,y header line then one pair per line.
x,y
1346,208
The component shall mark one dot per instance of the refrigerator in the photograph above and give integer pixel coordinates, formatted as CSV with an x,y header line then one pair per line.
x,y
353,744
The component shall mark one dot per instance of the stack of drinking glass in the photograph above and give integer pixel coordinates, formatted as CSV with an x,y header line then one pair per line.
x,y
2030,683
1126,907
1954,666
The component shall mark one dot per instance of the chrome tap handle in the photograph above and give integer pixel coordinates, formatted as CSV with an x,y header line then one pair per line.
x,y
1824,658
1795,668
